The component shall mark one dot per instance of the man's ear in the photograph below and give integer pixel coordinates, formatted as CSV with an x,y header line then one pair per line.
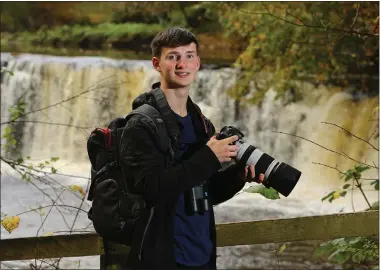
x,y
156,64
199,62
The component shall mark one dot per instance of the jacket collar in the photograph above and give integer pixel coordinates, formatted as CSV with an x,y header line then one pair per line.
x,y
196,115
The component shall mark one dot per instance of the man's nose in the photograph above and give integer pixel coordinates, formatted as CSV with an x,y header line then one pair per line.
x,y
181,63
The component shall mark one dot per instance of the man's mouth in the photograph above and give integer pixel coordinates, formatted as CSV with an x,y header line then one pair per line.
x,y
182,74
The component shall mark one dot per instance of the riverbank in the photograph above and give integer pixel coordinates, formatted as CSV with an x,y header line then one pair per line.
x,y
131,40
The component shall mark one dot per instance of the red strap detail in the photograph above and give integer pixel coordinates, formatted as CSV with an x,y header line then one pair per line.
x,y
106,132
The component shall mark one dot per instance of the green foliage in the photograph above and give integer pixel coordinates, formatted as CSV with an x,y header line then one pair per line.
x,y
39,210
333,195
350,251
9,132
282,248
21,16
355,175
198,16
375,205
21,164
293,42
268,193
5,70
87,36
353,252
17,110
375,183
144,12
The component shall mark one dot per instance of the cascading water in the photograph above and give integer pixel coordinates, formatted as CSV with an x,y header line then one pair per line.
x,y
84,92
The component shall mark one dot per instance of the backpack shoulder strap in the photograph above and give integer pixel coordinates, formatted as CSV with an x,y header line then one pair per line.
x,y
155,120
149,113
167,115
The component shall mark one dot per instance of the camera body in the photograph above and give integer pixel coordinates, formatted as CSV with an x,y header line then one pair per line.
x,y
278,175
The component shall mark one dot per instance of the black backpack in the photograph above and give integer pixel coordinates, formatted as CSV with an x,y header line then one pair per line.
x,y
115,209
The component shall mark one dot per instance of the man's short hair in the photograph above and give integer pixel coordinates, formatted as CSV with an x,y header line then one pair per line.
x,y
171,38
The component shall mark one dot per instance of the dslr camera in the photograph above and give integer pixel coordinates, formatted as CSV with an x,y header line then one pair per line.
x,y
277,175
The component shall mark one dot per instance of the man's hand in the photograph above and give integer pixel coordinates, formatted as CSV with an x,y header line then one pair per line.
x,y
249,175
222,148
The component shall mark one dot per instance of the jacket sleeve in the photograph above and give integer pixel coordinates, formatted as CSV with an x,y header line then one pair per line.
x,y
225,184
146,163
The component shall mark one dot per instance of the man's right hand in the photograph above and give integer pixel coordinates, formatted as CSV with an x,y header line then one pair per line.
x,y
222,148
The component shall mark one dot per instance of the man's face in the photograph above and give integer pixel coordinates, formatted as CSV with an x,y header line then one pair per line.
x,y
178,66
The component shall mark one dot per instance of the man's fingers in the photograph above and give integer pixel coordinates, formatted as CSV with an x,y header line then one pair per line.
x,y
252,169
230,151
226,159
232,148
249,173
231,139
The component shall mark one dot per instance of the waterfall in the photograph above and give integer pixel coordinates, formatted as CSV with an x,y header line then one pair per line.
x,y
111,86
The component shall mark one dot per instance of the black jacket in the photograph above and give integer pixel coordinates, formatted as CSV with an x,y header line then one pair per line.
x,y
161,183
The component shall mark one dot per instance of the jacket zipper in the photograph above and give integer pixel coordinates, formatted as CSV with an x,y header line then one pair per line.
x,y
145,231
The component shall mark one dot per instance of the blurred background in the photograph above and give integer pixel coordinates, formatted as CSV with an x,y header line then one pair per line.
x,y
300,79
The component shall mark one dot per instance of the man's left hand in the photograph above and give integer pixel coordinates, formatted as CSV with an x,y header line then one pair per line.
x,y
249,174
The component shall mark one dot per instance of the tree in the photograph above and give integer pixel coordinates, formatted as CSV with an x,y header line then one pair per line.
x,y
331,43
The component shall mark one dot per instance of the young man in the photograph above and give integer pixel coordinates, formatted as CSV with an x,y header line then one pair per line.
x,y
169,235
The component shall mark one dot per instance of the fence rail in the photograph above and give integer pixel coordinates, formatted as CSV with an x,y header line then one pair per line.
x,y
324,227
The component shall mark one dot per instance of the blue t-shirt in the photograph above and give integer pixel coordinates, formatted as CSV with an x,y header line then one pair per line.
x,y
193,246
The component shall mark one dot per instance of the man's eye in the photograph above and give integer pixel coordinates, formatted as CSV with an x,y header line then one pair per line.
x,y
172,57
190,56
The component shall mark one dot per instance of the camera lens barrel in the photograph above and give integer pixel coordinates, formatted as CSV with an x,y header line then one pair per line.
x,y
283,178
277,175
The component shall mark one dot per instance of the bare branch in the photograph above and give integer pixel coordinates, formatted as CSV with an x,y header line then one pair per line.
x,y
350,133
362,191
313,16
352,195
8,266
343,173
56,205
80,206
41,190
66,100
370,137
356,16
330,150
358,185
53,264
47,215
296,17
96,99
14,164
46,123
303,25
62,216
308,43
